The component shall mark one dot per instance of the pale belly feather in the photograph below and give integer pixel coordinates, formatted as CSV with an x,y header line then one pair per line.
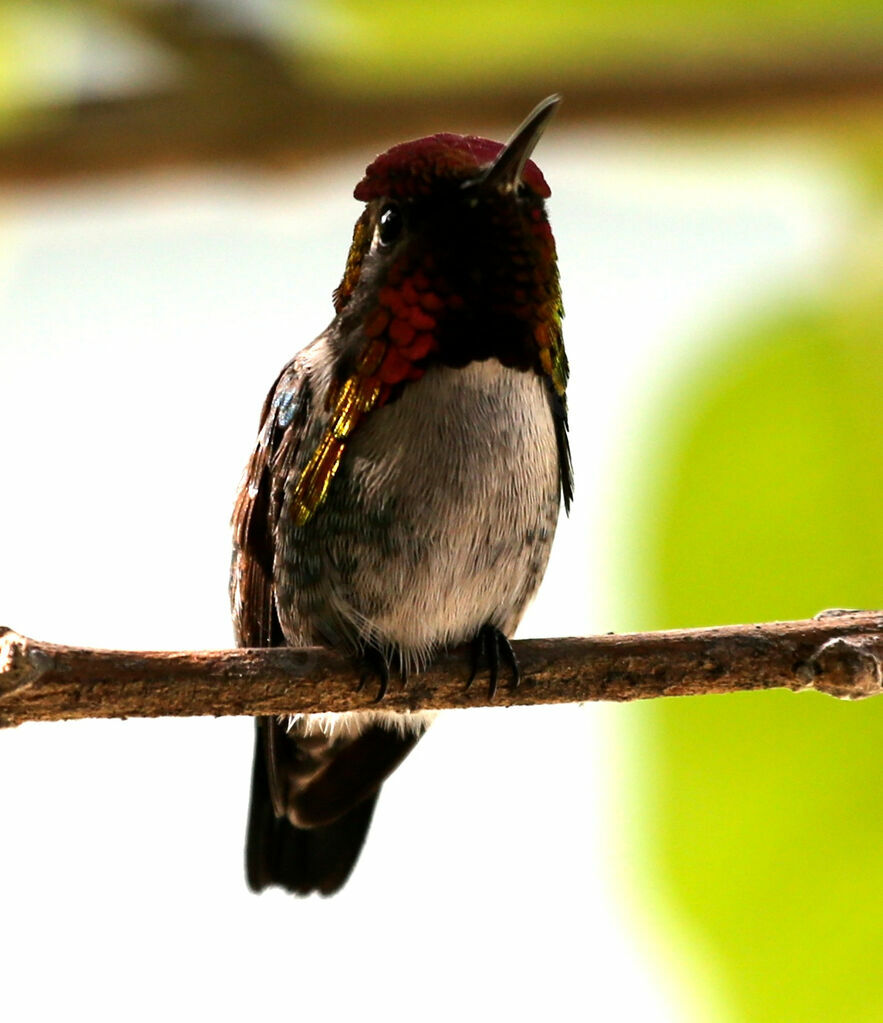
x,y
442,519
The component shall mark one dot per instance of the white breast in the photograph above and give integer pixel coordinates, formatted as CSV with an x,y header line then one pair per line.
x,y
469,457
463,468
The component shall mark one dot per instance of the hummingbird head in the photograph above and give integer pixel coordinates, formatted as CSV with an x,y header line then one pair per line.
x,y
453,259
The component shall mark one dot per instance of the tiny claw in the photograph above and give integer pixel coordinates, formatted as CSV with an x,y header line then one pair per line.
x,y
476,658
493,656
492,643
375,663
508,652
384,685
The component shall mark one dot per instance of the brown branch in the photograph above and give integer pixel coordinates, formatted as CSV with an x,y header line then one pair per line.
x,y
838,652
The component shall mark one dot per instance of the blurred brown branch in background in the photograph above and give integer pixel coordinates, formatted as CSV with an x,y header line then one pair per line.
x,y
237,99
838,652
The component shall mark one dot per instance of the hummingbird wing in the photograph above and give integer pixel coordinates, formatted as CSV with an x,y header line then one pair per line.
x,y
558,405
312,795
255,620
552,363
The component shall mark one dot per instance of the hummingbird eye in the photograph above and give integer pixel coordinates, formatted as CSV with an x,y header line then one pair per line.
x,y
390,223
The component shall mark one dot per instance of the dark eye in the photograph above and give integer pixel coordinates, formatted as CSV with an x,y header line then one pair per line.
x,y
390,224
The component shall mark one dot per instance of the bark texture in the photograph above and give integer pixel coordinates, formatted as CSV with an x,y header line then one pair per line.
x,y
837,652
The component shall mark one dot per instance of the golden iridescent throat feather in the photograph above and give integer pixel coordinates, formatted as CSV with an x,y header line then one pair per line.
x,y
355,398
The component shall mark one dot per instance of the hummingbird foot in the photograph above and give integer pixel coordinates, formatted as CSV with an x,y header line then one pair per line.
x,y
493,645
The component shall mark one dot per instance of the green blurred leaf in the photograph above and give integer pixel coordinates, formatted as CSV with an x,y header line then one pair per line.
x,y
37,45
773,502
764,812
378,41
7,70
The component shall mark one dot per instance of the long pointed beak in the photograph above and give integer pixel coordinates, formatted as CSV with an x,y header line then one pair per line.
x,y
505,172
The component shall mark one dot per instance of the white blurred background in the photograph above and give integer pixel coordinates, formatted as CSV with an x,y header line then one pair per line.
x,y
140,327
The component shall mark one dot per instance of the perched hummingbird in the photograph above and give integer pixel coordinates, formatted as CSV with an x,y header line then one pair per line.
x,y
405,486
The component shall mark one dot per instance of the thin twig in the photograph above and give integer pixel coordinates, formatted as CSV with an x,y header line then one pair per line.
x,y
837,652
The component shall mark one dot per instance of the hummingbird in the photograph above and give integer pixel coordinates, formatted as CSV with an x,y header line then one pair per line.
x,y
405,486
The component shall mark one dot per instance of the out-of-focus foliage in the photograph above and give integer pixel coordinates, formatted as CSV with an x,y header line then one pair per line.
x,y
779,475
477,41
392,45
7,68
762,814
43,56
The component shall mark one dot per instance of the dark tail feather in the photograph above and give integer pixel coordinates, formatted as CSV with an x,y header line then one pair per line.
x,y
328,786
303,860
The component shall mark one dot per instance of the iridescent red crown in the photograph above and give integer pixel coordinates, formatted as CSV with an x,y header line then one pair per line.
x,y
413,168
